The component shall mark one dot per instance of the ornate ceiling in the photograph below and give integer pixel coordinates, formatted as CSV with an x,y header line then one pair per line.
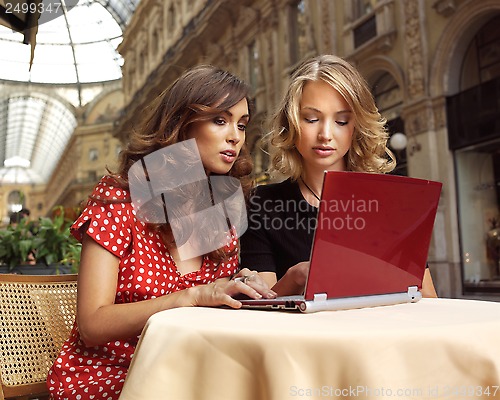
x,y
75,55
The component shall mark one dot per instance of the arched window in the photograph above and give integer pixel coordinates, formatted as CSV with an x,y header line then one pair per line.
x,y
15,201
482,60
387,95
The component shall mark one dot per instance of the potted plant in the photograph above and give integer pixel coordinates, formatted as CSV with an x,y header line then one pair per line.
x,y
44,247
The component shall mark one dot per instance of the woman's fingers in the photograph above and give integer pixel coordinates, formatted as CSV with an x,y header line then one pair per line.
x,y
244,272
243,286
247,283
255,281
221,293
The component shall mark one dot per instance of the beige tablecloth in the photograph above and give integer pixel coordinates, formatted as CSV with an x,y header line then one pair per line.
x,y
434,349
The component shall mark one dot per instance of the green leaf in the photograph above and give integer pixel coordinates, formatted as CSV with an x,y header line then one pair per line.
x,y
48,239
25,246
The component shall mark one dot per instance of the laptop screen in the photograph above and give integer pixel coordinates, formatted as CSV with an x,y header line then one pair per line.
x,y
372,235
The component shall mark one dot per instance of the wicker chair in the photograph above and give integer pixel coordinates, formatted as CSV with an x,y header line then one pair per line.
x,y
36,316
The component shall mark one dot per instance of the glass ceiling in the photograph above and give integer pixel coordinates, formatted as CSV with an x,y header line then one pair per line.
x,y
34,131
75,49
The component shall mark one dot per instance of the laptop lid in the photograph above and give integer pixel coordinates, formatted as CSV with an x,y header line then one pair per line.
x,y
373,234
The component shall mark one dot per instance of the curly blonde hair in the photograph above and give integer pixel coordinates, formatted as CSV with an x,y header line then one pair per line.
x,y
368,151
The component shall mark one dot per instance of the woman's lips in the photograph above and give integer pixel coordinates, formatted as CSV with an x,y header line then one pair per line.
x,y
228,156
323,151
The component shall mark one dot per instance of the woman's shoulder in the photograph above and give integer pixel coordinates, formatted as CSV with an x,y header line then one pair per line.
x,y
108,189
108,211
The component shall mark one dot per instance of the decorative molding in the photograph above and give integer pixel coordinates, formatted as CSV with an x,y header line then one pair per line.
x,y
385,42
421,117
326,24
417,122
248,17
445,7
414,49
439,111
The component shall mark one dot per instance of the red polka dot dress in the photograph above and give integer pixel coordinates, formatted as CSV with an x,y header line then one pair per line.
x,y
146,271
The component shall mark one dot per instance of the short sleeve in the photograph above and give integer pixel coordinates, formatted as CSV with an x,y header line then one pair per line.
x,y
109,223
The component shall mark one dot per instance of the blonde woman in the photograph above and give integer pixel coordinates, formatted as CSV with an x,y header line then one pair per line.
x,y
327,120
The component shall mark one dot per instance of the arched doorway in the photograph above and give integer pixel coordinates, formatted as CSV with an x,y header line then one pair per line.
x,y
473,116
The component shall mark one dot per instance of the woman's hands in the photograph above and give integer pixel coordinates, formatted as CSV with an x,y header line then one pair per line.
x,y
222,292
255,281
294,280
298,273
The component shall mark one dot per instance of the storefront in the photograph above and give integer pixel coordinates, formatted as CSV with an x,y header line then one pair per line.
x,y
473,118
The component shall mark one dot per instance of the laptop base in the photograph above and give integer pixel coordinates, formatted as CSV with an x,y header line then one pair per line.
x,y
321,303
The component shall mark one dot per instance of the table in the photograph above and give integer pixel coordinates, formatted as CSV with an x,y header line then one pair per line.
x,y
433,349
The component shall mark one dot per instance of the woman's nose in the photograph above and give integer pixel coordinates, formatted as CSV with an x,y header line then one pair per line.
x,y
235,136
326,131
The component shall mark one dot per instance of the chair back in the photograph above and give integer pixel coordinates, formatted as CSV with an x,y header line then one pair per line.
x,y
37,313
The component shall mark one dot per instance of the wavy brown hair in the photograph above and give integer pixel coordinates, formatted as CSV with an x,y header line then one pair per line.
x,y
200,94
368,151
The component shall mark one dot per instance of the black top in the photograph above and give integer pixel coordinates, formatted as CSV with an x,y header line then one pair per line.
x,y
281,225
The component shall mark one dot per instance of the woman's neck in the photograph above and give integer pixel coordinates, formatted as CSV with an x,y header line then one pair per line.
x,y
310,186
313,176
313,181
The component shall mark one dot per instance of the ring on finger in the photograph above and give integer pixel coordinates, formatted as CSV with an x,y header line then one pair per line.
x,y
242,279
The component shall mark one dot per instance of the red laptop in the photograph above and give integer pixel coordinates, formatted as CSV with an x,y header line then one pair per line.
x,y
371,243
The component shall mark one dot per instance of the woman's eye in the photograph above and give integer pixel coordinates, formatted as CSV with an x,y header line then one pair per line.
x,y
219,121
242,127
311,120
342,123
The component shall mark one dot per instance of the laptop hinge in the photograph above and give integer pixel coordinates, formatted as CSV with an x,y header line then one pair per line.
x,y
412,291
320,297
